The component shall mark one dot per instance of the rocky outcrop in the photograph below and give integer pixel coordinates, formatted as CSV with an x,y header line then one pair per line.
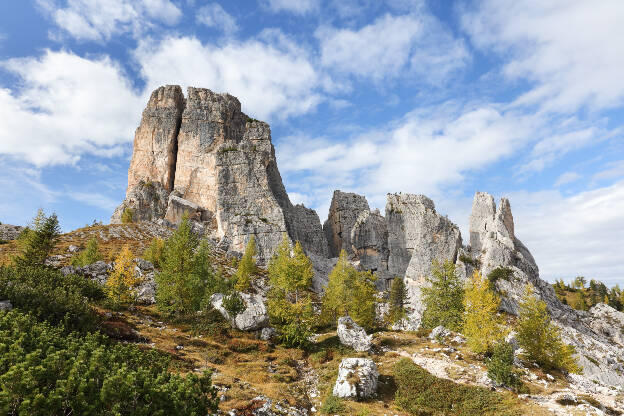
x,y
353,335
417,237
343,212
219,166
253,317
147,200
9,232
357,379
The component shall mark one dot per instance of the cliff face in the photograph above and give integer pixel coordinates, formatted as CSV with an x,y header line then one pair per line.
x,y
204,157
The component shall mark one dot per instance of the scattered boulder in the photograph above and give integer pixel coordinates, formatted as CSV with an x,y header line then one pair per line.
x,y
357,379
73,249
439,332
353,335
268,333
97,271
5,305
252,318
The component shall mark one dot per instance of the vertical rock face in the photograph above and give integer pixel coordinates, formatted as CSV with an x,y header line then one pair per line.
x,y
148,201
418,236
220,164
155,141
369,240
343,212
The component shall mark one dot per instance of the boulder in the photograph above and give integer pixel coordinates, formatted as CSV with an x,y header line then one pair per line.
x,y
357,379
439,332
268,333
97,271
343,212
5,305
253,317
353,335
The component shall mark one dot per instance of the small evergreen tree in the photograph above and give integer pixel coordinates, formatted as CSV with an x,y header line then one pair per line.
x,y
350,291
122,282
89,255
500,366
127,216
482,325
396,301
186,274
289,301
443,298
246,266
540,338
38,240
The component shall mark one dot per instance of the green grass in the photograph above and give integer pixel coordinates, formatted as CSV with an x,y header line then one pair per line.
x,y
420,393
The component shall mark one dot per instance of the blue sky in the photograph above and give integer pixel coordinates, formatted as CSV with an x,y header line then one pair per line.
x,y
522,99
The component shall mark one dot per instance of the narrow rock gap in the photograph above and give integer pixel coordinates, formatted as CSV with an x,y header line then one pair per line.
x,y
174,151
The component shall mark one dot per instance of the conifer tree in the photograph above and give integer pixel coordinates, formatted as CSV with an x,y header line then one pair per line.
x,y
154,252
443,297
38,240
350,291
289,300
396,301
122,282
186,272
482,326
540,338
89,255
246,266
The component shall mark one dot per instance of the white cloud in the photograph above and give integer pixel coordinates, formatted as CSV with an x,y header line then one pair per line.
x,y
273,77
99,20
213,15
614,170
59,114
570,49
416,44
299,7
575,235
567,177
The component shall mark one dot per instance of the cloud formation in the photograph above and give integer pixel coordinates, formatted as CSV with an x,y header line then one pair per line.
x,y
213,15
99,20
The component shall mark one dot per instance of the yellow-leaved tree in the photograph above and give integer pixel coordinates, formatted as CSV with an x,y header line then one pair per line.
x,y
246,266
541,338
122,282
483,327
350,291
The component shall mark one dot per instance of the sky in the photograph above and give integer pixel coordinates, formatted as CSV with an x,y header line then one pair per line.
x,y
519,98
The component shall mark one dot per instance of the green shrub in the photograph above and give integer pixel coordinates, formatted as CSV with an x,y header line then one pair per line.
x,y
50,296
333,405
443,298
233,304
469,260
89,255
500,366
398,294
127,216
46,371
500,272
420,393
154,252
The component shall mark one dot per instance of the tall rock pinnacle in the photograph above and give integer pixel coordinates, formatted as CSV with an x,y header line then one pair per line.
x,y
213,162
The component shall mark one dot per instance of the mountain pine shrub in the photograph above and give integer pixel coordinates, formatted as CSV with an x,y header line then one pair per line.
x,y
500,366
47,370
443,298
541,338
482,326
289,300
